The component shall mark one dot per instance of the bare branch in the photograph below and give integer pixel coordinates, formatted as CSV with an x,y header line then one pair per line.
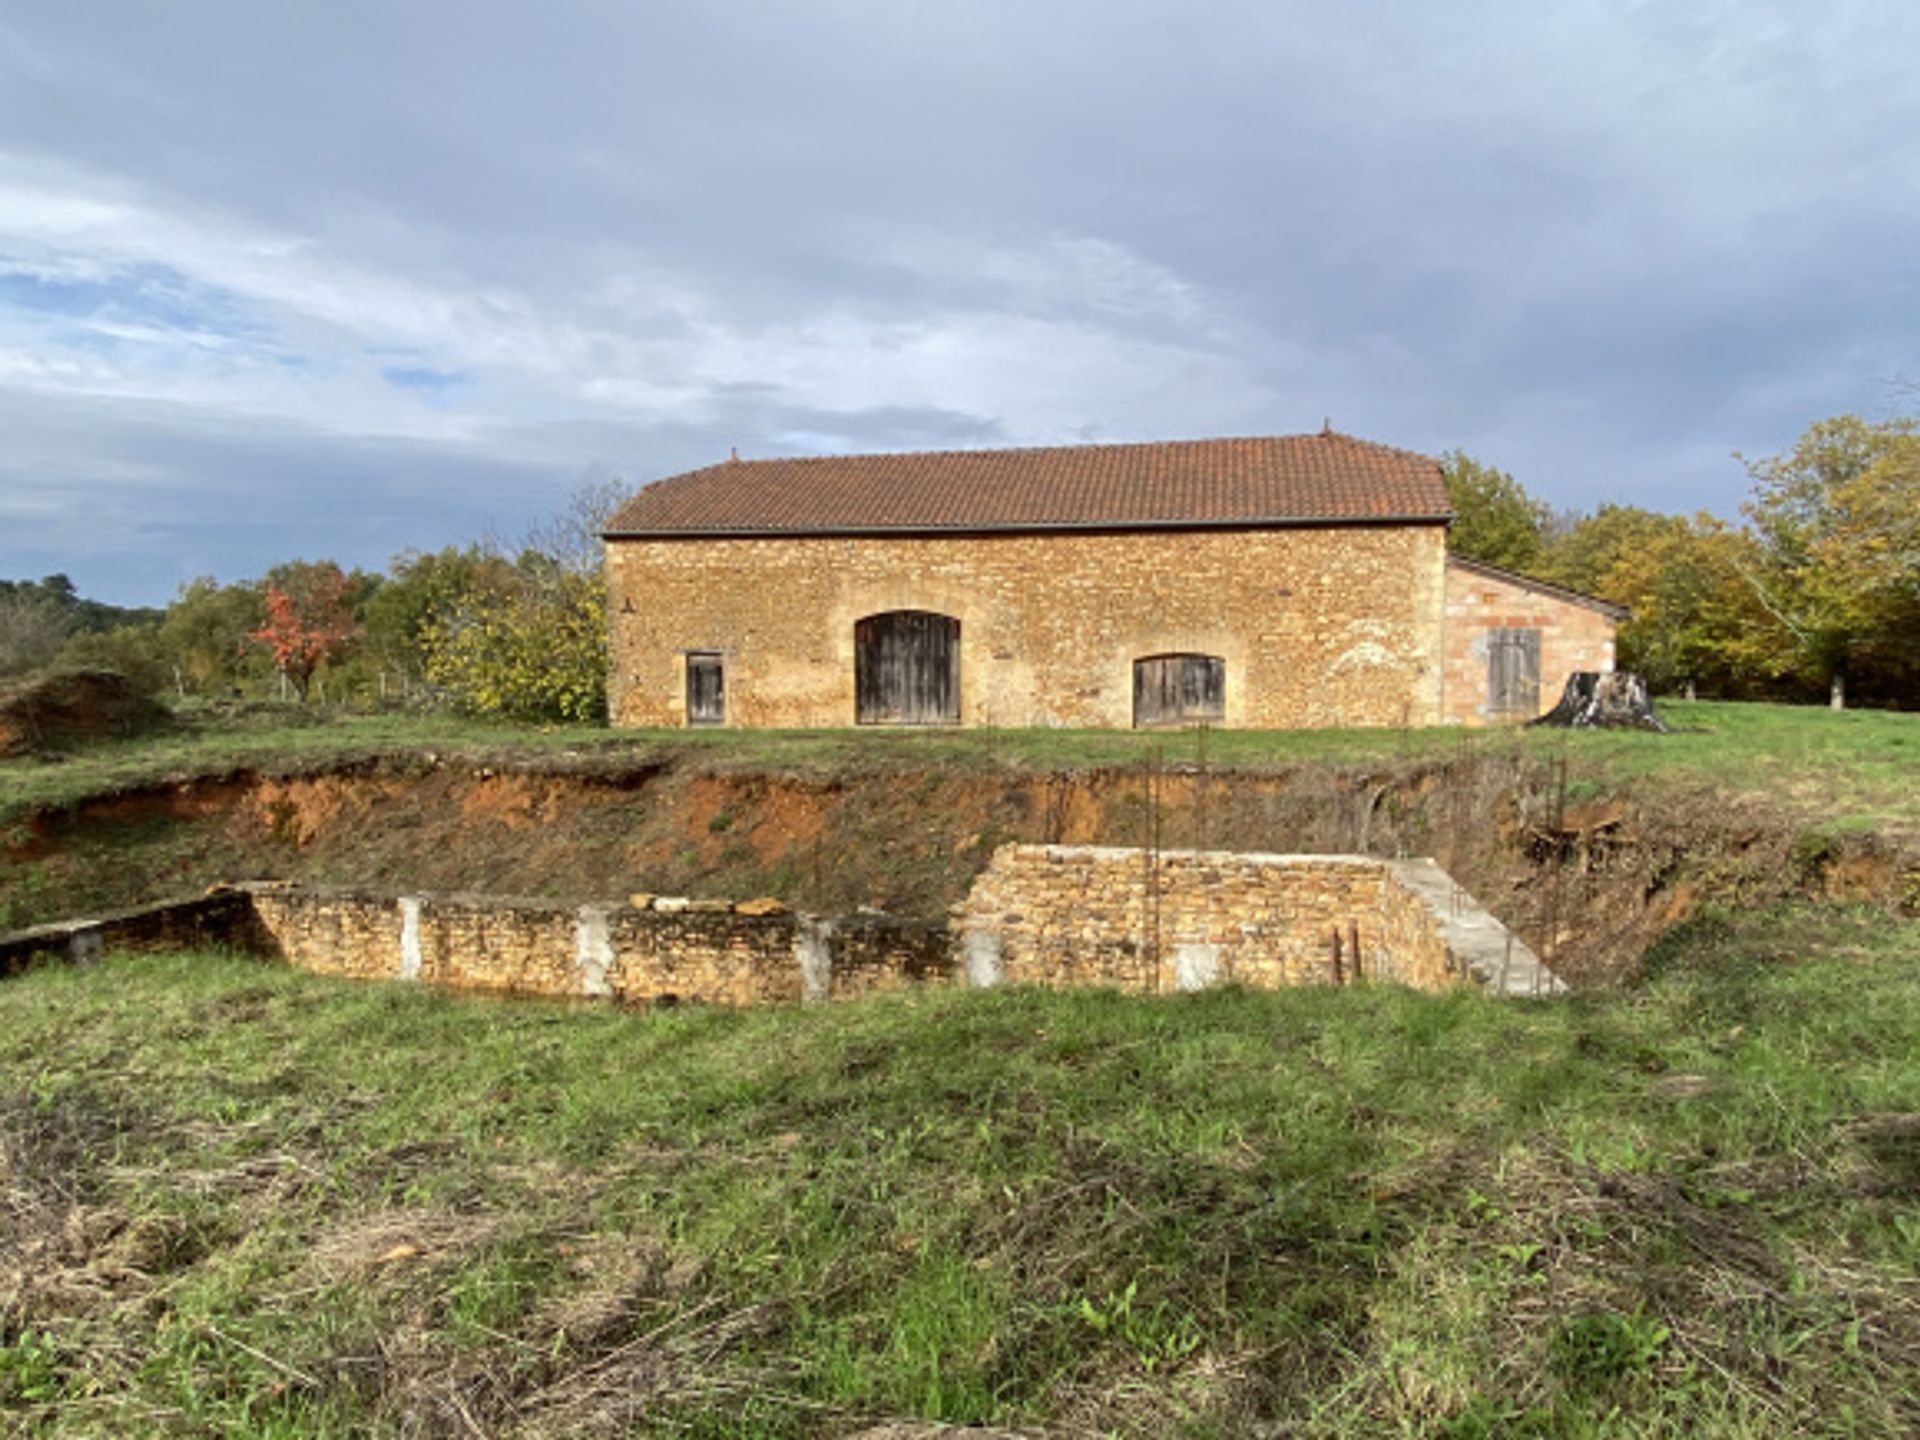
x,y
1768,603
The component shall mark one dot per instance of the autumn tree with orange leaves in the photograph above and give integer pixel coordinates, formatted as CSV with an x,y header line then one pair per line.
x,y
309,620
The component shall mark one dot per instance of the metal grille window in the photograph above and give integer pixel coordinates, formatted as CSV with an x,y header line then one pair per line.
x,y
1513,672
1179,689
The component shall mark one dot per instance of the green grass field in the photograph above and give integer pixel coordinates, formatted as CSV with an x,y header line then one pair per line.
x,y
239,1200
1859,768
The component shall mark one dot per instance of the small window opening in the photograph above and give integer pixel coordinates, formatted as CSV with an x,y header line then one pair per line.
x,y
1513,672
706,689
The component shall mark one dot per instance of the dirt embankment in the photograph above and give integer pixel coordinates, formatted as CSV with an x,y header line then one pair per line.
x,y
1589,882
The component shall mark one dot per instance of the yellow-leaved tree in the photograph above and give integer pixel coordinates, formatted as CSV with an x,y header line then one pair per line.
x,y
1683,579
1838,520
526,638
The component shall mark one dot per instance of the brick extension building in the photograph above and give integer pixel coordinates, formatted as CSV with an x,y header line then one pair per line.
x,y
1275,582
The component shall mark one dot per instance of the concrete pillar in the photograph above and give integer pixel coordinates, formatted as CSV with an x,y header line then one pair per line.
x,y
409,937
1195,966
592,949
85,944
813,951
984,962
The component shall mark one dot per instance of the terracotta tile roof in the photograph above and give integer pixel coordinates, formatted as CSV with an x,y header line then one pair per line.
x,y
1272,480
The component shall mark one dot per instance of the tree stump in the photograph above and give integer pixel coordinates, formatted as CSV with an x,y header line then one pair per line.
x,y
1617,700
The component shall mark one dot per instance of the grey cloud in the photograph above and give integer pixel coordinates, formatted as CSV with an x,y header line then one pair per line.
x,y
1599,245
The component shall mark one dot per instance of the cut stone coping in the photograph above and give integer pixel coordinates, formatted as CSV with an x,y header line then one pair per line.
x,y
1493,954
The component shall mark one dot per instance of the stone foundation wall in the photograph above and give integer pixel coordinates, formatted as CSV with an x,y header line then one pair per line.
x,y
663,951
223,918
1075,915
1045,915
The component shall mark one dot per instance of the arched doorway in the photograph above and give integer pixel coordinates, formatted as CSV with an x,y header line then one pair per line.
x,y
906,669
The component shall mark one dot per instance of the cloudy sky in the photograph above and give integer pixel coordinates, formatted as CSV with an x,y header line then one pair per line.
x,y
339,278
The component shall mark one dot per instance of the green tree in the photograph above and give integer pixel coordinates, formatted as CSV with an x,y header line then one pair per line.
x,y
1495,520
527,639
529,644
1838,521
421,591
204,635
135,651
59,595
32,630
1681,576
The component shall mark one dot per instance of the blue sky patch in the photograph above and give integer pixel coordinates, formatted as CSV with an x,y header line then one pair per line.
x,y
156,296
433,386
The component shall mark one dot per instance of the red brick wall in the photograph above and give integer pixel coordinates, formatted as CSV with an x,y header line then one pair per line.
x,y
1573,637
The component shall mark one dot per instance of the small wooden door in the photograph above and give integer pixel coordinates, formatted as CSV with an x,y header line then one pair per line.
x,y
1513,672
906,669
1179,689
706,690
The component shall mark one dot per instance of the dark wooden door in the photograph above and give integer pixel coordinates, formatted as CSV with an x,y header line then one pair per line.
x,y
1513,672
906,669
1179,689
706,690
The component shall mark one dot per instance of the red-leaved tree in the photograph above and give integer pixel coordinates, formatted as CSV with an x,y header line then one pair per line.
x,y
309,620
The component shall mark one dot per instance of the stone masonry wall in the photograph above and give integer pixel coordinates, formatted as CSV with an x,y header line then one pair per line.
x,y
1078,914
1070,915
1572,637
1051,915
1318,626
665,950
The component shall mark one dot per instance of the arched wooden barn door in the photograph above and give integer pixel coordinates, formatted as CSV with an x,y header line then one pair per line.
x,y
1179,689
906,669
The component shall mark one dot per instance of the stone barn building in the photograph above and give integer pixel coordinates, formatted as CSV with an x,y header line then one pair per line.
x,y
1276,582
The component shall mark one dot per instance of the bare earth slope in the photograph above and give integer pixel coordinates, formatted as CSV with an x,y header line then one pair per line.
x,y
1588,862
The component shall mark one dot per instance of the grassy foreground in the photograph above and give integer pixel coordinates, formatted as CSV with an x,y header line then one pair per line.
x,y
239,1200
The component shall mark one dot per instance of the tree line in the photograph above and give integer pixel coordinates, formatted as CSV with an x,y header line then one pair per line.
x,y
1813,593
515,631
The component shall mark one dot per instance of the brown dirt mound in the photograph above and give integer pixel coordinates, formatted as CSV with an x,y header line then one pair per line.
x,y
56,711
